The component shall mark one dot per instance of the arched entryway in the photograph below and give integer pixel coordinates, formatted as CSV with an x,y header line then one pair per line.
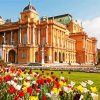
x,y
55,56
36,57
11,56
63,57
59,57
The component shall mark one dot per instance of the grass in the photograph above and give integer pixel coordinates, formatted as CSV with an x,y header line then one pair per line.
x,y
98,66
79,77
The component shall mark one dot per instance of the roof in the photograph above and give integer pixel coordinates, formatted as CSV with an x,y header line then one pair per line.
x,y
29,7
59,16
63,19
1,17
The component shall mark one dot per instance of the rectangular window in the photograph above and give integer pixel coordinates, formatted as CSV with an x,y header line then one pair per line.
x,y
25,39
23,55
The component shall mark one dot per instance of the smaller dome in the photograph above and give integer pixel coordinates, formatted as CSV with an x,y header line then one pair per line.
x,y
29,7
1,17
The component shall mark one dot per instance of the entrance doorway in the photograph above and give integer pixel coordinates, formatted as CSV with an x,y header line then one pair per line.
x,y
59,57
12,56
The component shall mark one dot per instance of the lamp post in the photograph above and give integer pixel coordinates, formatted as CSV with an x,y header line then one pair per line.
x,y
43,44
42,54
17,52
2,54
69,58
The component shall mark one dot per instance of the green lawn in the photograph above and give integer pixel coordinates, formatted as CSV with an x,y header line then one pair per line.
x,y
79,77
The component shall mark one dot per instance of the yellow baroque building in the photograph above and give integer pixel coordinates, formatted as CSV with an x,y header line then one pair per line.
x,y
57,39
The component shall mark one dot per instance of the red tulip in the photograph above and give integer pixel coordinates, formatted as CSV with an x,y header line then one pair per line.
x,y
40,81
30,90
44,98
0,80
11,90
16,98
35,75
15,80
69,86
37,91
53,77
7,78
57,84
48,80
21,94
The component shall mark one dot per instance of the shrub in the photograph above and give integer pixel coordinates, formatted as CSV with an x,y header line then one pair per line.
x,y
2,63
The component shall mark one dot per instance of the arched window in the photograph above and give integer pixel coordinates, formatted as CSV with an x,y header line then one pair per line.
x,y
63,57
55,56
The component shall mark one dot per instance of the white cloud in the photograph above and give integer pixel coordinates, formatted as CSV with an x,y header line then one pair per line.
x,y
92,28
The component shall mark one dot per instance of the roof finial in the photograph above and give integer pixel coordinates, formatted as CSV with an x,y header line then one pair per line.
x,y
29,2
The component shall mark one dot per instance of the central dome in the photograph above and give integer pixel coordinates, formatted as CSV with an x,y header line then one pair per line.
x,y
29,7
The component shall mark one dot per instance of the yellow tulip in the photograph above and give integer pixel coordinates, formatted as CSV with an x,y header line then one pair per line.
x,y
55,90
24,89
27,84
33,98
80,88
93,89
23,75
62,83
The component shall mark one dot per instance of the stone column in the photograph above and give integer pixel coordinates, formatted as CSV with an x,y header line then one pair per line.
x,y
33,31
11,37
19,36
50,55
27,34
7,56
42,54
34,55
39,36
4,37
47,34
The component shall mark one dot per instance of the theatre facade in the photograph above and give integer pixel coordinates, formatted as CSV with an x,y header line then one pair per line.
x,y
57,39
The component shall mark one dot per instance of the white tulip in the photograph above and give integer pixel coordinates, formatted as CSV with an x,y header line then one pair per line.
x,y
48,94
62,78
28,78
67,90
81,97
15,78
83,84
90,82
9,82
94,96
14,74
85,90
12,82
34,82
20,78
18,87
72,83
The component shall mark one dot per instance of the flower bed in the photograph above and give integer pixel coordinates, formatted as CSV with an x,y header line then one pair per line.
x,y
17,84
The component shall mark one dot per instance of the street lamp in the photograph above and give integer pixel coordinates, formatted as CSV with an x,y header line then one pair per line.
x,y
17,52
43,44
69,58
2,46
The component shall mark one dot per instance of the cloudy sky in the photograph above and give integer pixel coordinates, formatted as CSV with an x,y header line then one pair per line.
x,y
88,11
92,27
